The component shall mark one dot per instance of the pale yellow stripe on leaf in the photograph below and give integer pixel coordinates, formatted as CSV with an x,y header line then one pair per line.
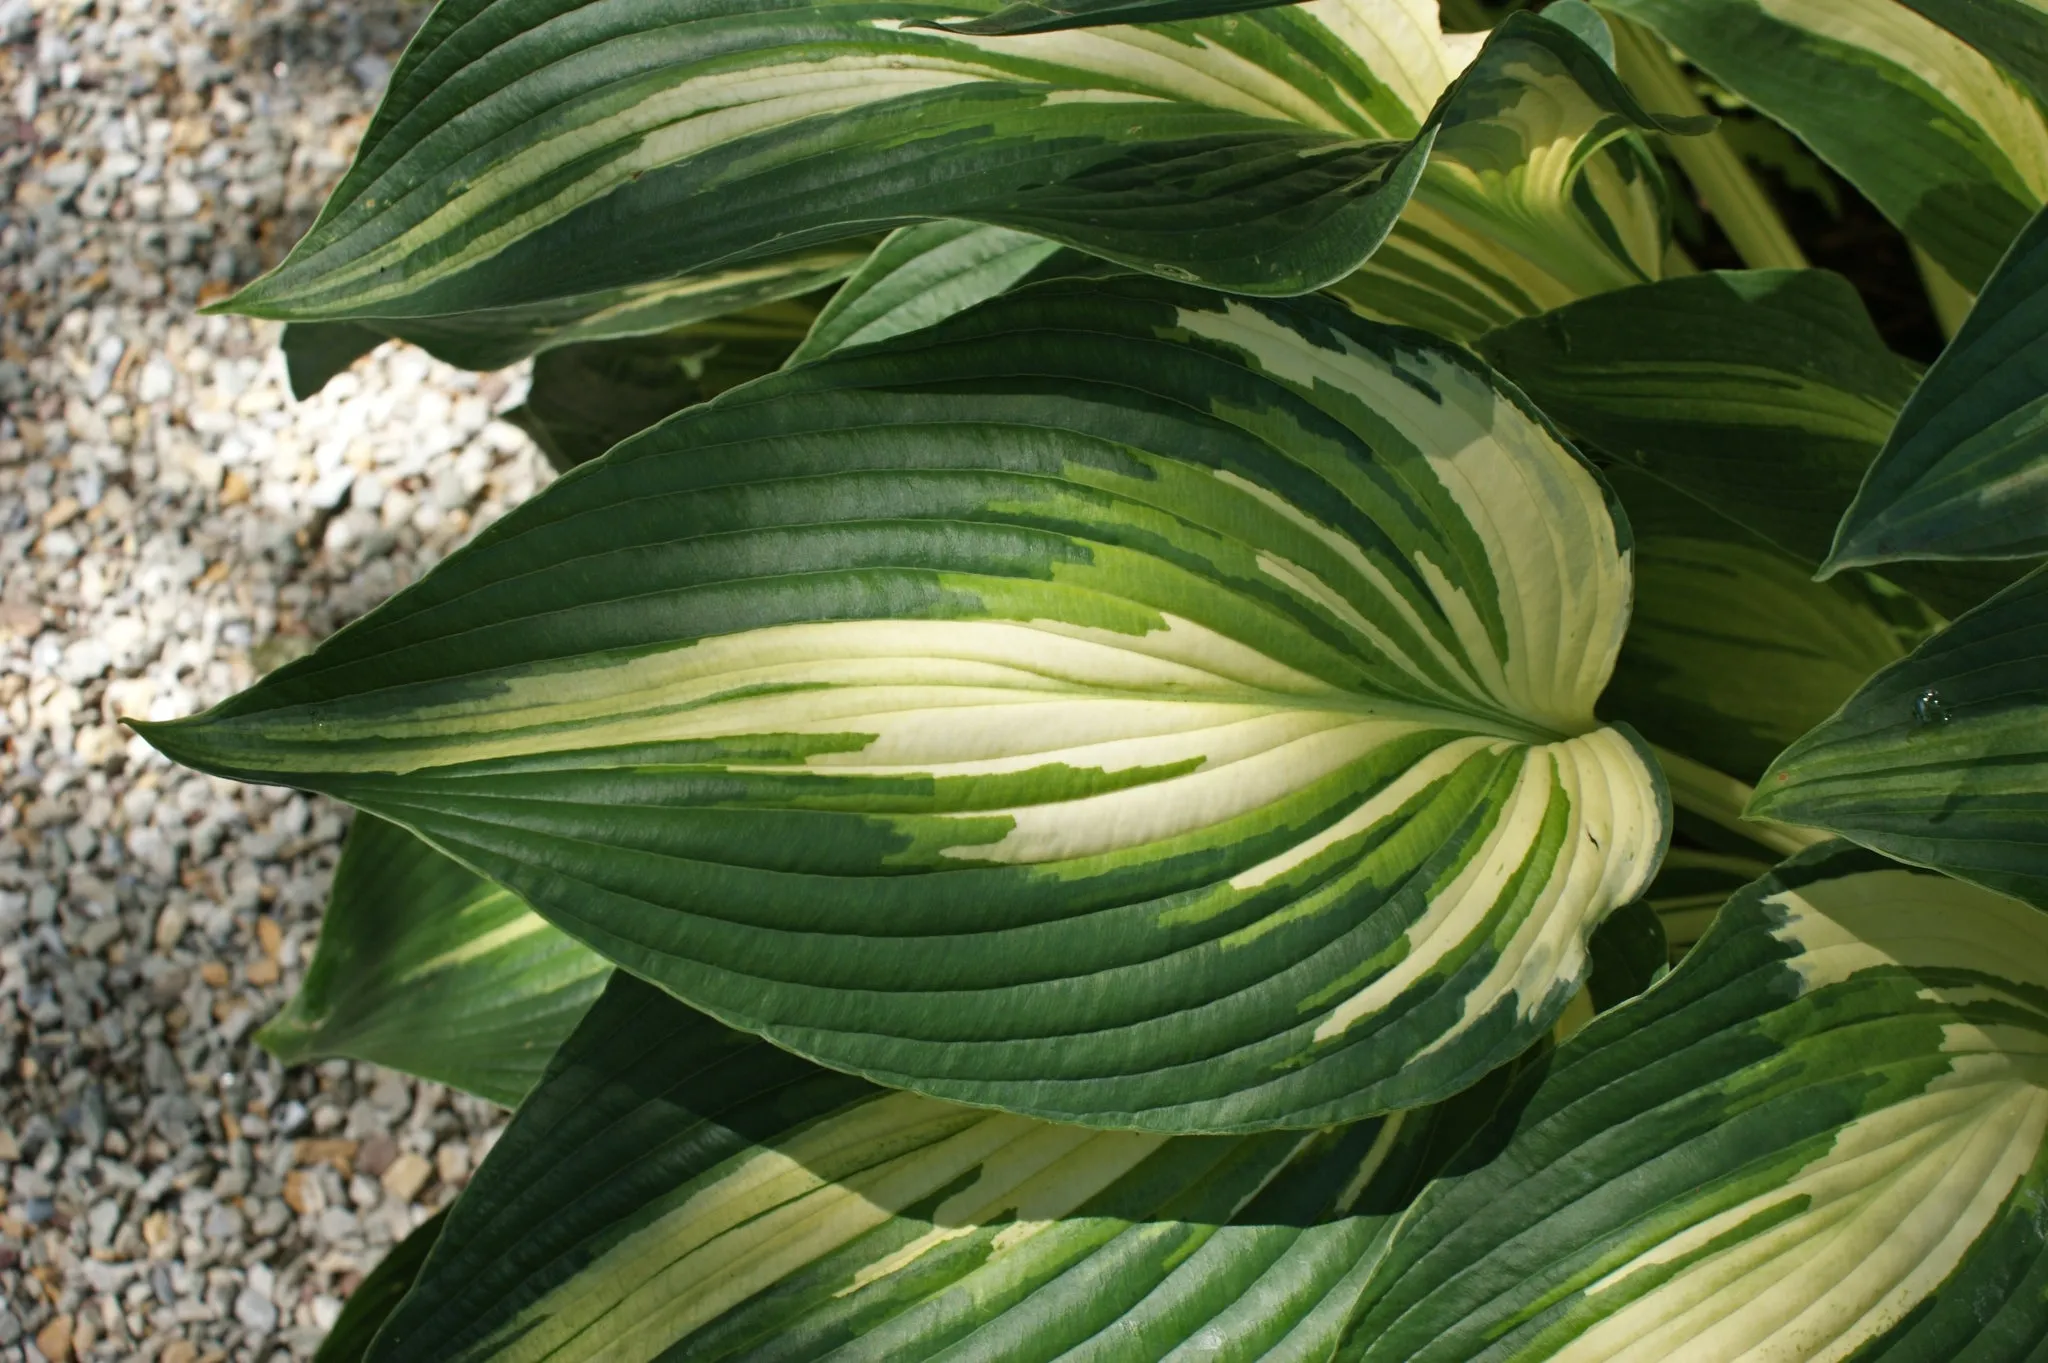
x,y
997,739
1184,804
1402,43
1963,76
1608,858
1371,813
1889,1212
1383,586
1877,918
1169,67
695,115
775,1211
1459,910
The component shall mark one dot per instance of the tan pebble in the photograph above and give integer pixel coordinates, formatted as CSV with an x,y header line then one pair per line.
x,y
54,1339
270,936
214,973
263,973
179,1351
406,1176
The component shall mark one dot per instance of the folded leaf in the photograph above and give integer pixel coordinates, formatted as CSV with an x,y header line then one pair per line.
x,y
1821,1137
431,969
1119,703
1763,394
532,153
1965,472
1947,145
584,399
920,276
1940,759
678,1189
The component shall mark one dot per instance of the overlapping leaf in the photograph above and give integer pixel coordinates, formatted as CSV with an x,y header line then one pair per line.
x,y
1941,759
533,153
678,1189
1946,143
430,969
1965,472
1820,1138
1763,394
584,399
1119,703
920,276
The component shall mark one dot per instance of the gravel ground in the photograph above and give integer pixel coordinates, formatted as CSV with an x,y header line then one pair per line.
x,y
171,526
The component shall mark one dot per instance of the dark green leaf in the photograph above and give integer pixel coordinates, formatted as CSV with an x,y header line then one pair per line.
x,y
1965,472
1941,759
431,969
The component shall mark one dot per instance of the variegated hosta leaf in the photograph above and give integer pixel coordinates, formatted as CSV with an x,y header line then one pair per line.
x,y
535,151
1733,650
920,276
2013,33
1821,1137
675,1189
1119,703
1965,472
1550,199
1761,393
428,968
378,1294
492,338
1949,146
584,399
1941,759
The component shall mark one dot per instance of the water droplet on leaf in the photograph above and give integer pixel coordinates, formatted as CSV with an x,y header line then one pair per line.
x,y
1929,708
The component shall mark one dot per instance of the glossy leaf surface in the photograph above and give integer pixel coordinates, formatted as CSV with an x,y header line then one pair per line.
x,y
1119,703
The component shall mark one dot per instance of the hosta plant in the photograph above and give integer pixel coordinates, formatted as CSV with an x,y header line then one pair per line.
x,y
1192,694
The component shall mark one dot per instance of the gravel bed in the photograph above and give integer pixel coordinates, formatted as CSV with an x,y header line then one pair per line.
x,y
171,526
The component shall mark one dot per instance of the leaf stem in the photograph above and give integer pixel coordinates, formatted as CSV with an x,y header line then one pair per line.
x,y
1730,192
1720,799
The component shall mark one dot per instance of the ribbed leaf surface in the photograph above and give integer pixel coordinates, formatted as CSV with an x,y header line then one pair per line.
x,y
428,968
1763,394
533,153
676,1189
1941,759
1965,472
1947,144
1821,1137
1119,703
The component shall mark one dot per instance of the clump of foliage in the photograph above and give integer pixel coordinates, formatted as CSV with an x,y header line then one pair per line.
x,y
1191,695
